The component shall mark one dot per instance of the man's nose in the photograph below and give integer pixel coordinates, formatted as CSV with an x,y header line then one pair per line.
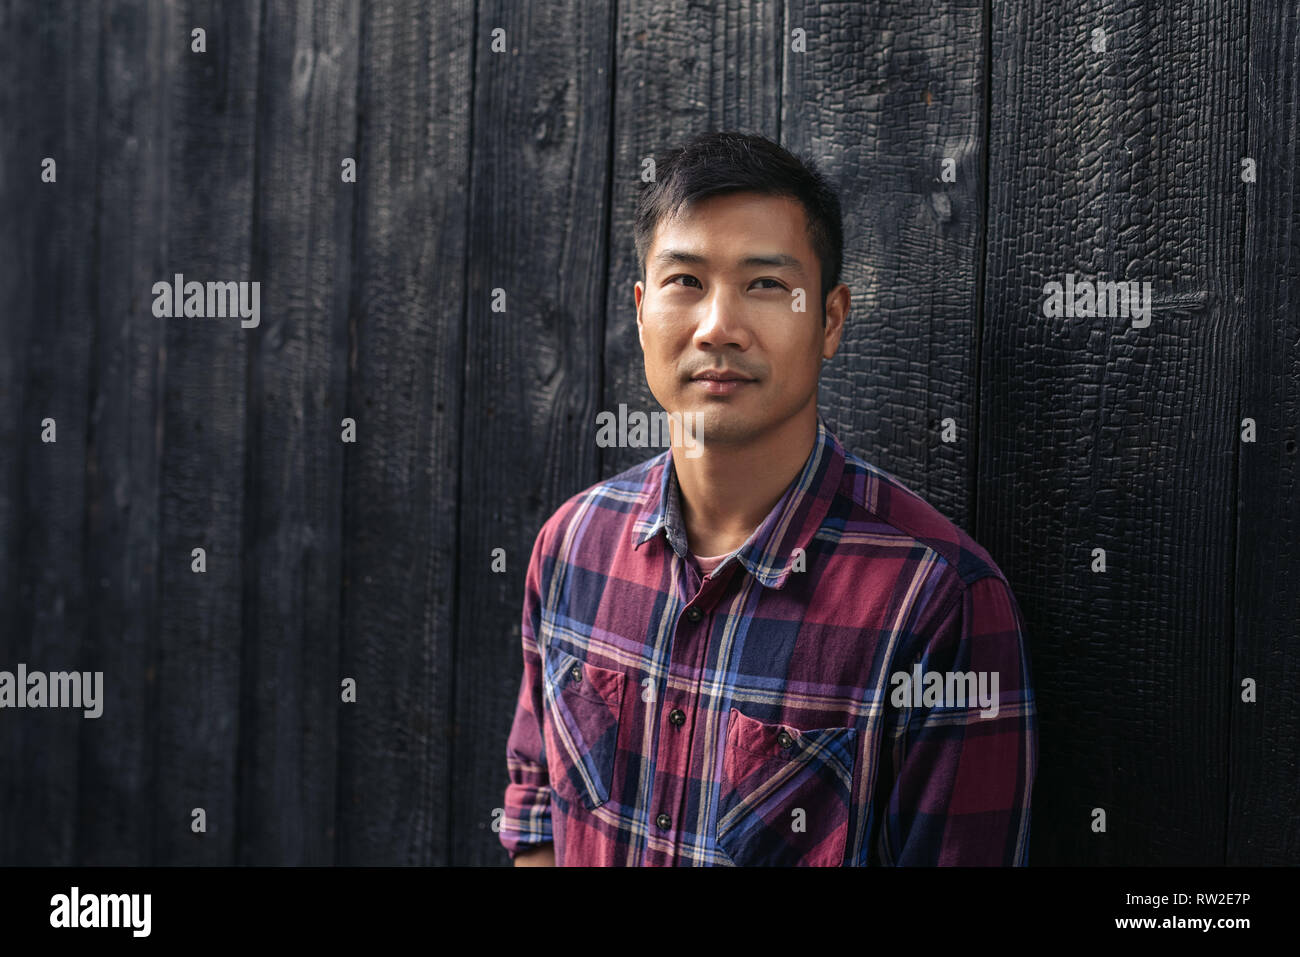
x,y
723,322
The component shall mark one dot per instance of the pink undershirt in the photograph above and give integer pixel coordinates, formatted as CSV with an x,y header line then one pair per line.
x,y
707,565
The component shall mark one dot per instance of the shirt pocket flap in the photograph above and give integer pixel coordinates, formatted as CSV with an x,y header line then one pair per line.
x,y
569,674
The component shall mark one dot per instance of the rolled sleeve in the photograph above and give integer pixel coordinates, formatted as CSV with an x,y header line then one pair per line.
x,y
527,820
963,788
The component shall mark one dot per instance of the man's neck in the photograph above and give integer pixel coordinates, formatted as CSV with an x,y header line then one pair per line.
x,y
727,491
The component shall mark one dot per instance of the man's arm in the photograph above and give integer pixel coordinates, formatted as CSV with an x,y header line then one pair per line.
x,y
964,783
526,827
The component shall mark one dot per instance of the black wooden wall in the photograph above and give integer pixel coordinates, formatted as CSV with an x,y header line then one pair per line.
x,y
517,170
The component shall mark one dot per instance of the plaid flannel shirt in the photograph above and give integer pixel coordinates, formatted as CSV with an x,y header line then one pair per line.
x,y
757,716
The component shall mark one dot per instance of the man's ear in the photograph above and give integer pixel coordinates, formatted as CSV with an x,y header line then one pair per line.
x,y
836,310
638,293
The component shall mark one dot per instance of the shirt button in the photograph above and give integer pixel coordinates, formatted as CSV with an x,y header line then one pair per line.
x,y
677,716
664,821
784,739
576,673
694,614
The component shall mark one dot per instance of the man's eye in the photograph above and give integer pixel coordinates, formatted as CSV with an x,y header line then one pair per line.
x,y
673,281
779,284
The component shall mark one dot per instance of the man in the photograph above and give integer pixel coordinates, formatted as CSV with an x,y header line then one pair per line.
x,y
768,651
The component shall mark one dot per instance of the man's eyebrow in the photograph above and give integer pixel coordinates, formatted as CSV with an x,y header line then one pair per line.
x,y
675,257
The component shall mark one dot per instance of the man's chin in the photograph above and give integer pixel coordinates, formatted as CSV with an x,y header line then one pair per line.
x,y
715,425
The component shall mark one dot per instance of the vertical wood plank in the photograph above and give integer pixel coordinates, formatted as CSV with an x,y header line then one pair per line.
x,y
540,186
289,715
51,60
123,484
207,208
404,392
1264,801
1117,165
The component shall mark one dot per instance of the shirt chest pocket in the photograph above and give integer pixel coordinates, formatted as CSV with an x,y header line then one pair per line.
x,y
786,793
583,702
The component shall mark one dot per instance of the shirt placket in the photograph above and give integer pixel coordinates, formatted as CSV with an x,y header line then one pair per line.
x,y
679,711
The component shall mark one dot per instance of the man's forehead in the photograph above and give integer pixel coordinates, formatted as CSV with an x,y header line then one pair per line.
x,y
766,206
677,239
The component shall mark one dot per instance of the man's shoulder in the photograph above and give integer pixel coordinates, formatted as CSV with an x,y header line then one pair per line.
x,y
612,501
878,497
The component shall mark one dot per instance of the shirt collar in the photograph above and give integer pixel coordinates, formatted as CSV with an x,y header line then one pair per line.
x,y
769,552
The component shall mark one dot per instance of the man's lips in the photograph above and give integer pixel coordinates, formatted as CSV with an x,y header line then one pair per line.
x,y
721,383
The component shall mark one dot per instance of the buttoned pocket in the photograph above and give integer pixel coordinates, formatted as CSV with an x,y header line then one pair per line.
x,y
785,793
581,735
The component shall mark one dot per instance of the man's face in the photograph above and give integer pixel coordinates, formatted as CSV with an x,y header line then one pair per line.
x,y
717,299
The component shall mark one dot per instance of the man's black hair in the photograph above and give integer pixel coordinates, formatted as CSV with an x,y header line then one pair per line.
x,y
717,163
